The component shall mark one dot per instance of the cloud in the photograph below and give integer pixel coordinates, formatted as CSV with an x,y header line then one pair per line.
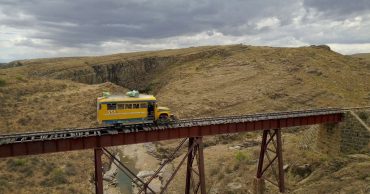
x,y
270,22
89,27
338,9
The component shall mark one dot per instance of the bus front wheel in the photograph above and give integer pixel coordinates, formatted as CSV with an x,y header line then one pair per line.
x,y
163,119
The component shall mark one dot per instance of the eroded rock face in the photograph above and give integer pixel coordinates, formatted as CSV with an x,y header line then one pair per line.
x,y
136,72
132,74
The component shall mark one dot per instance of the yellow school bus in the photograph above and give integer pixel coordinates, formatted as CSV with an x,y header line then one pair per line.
x,y
132,108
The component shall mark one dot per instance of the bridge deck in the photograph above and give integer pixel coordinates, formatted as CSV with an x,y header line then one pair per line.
x,y
77,139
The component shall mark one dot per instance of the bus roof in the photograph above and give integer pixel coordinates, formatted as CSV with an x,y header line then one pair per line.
x,y
125,98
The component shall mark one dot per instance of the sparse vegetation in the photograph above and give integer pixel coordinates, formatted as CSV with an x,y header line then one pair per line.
x,y
70,169
363,115
15,164
4,184
240,156
57,177
20,78
2,83
48,94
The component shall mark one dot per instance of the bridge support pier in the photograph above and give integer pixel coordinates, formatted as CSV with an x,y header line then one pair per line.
x,y
98,152
195,153
271,144
195,177
259,186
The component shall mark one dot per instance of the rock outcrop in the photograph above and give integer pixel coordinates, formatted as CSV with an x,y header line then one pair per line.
x,y
133,73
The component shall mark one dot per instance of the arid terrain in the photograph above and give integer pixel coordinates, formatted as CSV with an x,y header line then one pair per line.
x,y
50,94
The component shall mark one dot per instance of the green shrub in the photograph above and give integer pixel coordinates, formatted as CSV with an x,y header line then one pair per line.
x,y
2,83
15,164
240,156
214,171
57,177
363,115
21,165
20,78
20,162
4,184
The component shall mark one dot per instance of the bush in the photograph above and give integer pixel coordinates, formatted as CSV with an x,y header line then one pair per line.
x,y
240,156
70,169
58,177
27,171
363,115
20,165
214,171
20,78
4,184
48,168
15,164
2,83
23,121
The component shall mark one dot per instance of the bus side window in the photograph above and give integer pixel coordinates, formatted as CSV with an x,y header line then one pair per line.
x,y
121,106
128,106
136,106
111,106
143,105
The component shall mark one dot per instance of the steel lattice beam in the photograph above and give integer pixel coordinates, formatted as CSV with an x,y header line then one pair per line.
x,y
195,155
10,146
271,138
193,129
98,152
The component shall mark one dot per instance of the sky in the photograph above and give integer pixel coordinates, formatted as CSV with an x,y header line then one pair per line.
x,y
59,28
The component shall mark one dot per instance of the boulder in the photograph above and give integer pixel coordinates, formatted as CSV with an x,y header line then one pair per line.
x,y
145,173
237,147
234,186
302,170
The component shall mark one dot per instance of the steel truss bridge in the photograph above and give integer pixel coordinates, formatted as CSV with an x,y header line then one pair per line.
x,y
190,130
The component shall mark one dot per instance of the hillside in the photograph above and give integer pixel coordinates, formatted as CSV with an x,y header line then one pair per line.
x,y
365,56
47,94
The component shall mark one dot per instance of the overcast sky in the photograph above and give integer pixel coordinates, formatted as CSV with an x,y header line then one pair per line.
x,y
53,28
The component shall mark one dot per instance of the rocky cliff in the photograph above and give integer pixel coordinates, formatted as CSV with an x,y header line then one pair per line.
x,y
135,72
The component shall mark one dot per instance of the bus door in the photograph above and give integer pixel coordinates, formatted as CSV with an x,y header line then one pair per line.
x,y
151,106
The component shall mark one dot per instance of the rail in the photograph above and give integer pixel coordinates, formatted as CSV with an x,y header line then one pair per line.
x,y
109,130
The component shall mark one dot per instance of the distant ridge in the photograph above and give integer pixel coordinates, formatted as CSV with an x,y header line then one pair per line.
x,y
365,56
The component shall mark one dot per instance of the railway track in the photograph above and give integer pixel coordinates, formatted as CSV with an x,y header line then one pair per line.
x,y
109,130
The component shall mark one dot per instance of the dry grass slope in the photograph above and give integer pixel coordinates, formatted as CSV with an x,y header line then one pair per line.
x,y
46,94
